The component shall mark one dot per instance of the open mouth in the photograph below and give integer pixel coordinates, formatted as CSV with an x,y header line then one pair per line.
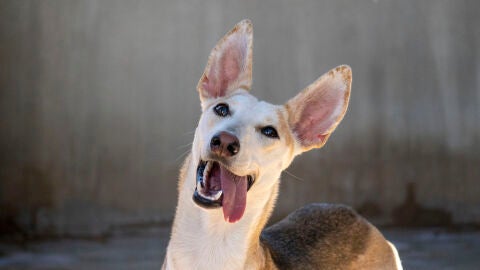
x,y
218,187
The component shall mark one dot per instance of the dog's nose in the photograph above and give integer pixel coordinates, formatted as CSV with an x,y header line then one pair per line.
x,y
225,144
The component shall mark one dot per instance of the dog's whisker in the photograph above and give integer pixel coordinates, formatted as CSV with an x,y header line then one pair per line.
x,y
184,145
182,155
189,132
294,176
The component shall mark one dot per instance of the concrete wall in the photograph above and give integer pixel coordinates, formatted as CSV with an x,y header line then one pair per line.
x,y
98,103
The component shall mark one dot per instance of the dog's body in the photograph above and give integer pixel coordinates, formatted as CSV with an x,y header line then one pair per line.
x,y
240,148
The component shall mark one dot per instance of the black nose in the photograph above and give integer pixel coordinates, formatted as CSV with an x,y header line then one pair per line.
x,y
225,144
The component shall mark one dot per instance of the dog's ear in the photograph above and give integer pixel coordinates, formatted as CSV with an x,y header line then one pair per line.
x,y
229,66
316,111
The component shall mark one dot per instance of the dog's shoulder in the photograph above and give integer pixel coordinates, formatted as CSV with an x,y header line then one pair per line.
x,y
326,236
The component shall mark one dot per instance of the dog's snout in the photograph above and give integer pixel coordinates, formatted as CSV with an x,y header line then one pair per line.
x,y
225,144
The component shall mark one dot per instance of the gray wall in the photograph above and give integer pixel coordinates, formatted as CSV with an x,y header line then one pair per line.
x,y
98,103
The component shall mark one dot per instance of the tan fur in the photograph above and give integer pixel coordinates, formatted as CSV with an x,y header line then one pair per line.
x,y
370,260
257,255
284,128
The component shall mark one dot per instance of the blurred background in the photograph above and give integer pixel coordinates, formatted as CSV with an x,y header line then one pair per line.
x,y
98,107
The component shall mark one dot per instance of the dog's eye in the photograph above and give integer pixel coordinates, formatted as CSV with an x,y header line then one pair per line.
x,y
270,132
222,109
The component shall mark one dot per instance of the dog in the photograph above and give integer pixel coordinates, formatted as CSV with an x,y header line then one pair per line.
x,y
229,182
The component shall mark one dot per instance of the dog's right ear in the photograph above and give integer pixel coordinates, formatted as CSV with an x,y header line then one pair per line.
x,y
229,66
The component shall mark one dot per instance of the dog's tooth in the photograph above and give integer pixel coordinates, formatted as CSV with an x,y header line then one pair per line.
x,y
199,186
209,166
206,196
214,197
217,195
207,170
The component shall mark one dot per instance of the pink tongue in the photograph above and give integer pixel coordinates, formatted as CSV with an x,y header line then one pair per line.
x,y
234,195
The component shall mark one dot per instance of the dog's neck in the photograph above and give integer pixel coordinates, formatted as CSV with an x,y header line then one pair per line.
x,y
203,238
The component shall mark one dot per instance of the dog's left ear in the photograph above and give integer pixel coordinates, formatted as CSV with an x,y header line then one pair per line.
x,y
229,66
315,112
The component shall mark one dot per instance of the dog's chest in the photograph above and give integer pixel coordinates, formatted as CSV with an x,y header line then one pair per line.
x,y
212,252
210,246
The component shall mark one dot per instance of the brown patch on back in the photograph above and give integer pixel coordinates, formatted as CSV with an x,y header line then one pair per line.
x,y
378,254
327,236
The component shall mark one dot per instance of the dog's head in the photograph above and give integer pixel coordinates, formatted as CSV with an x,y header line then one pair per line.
x,y
240,139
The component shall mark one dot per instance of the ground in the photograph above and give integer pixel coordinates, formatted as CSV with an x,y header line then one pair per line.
x,y
426,249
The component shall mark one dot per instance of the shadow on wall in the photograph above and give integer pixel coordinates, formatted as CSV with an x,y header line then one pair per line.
x,y
410,213
24,191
